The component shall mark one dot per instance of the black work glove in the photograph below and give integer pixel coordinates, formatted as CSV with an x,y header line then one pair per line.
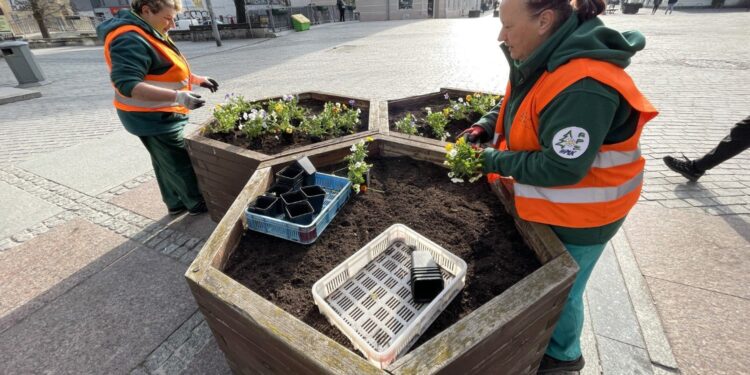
x,y
210,84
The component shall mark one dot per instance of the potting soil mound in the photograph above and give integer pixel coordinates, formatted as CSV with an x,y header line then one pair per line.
x,y
466,219
275,143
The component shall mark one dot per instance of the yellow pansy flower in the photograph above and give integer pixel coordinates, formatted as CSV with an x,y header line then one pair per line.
x,y
448,147
369,139
468,98
278,108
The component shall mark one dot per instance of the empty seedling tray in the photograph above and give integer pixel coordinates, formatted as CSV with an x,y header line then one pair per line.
x,y
368,297
338,190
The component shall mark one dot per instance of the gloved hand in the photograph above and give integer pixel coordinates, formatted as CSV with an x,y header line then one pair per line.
x,y
189,99
474,134
205,82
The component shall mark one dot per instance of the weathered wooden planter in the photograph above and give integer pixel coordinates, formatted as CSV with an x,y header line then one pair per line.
x,y
507,335
420,101
223,169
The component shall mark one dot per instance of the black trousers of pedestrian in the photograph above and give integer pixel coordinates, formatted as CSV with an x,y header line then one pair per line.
x,y
341,14
737,141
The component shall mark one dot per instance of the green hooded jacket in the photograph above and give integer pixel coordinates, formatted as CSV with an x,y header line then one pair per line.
x,y
587,104
132,59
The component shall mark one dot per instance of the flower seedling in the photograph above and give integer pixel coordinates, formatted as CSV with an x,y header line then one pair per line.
x,y
437,122
464,161
407,125
358,168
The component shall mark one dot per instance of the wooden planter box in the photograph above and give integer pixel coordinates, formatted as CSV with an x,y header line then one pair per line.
x,y
397,105
507,335
223,169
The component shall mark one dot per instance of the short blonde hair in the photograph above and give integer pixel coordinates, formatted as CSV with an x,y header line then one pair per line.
x,y
156,5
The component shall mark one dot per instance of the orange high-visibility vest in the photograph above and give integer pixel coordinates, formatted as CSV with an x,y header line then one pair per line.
x,y
613,184
176,78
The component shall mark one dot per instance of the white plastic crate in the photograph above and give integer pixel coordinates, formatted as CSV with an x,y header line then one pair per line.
x,y
368,297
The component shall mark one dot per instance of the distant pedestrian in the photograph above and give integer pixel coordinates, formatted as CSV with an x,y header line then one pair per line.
x,y
656,6
342,8
670,6
737,141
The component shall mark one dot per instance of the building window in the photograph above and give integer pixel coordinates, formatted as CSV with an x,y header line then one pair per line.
x,y
405,4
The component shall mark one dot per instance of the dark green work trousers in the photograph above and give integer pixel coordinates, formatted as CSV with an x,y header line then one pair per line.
x,y
174,172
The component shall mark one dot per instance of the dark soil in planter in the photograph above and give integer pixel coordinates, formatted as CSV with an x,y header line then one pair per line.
x,y
436,104
275,143
466,219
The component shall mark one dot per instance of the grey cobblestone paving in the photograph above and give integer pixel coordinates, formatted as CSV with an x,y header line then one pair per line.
x,y
695,70
153,234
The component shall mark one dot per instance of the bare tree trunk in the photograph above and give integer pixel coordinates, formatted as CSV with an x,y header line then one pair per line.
x,y
42,26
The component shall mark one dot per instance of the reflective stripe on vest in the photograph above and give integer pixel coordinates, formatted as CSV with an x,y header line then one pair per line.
x,y
612,185
608,159
578,195
177,77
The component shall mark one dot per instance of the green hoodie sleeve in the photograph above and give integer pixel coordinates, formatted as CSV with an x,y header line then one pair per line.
x,y
587,104
488,121
131,58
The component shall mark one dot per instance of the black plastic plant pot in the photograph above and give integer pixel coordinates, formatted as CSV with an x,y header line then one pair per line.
x,y
300,213
315,195
293,197
292,175
426,278
278,189
265,205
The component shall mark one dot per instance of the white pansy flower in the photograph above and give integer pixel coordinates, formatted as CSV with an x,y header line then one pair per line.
x,y
457,180
452,153
460,100
353,148
450,174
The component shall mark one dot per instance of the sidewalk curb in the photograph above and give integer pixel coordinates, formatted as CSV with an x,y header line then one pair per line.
x,y
588,343
657,345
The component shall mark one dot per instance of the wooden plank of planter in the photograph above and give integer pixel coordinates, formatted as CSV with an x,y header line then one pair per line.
x,y
321,155
201,144
382,117
314,146
398,146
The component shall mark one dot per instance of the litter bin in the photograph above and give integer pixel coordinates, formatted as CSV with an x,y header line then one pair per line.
x,y
22,63
300,22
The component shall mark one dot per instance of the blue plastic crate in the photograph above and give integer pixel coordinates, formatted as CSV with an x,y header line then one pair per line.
x,y
338,190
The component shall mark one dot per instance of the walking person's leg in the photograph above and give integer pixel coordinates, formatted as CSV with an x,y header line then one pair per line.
x,y
565,343
176,170
737,141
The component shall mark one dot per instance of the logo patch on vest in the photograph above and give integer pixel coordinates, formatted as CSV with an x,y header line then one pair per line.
x,y
571,142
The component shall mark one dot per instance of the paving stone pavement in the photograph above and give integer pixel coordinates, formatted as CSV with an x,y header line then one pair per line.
x,y
695,70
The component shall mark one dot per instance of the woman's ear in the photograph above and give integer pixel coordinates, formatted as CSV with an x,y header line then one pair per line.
x,y
546,21
145,10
